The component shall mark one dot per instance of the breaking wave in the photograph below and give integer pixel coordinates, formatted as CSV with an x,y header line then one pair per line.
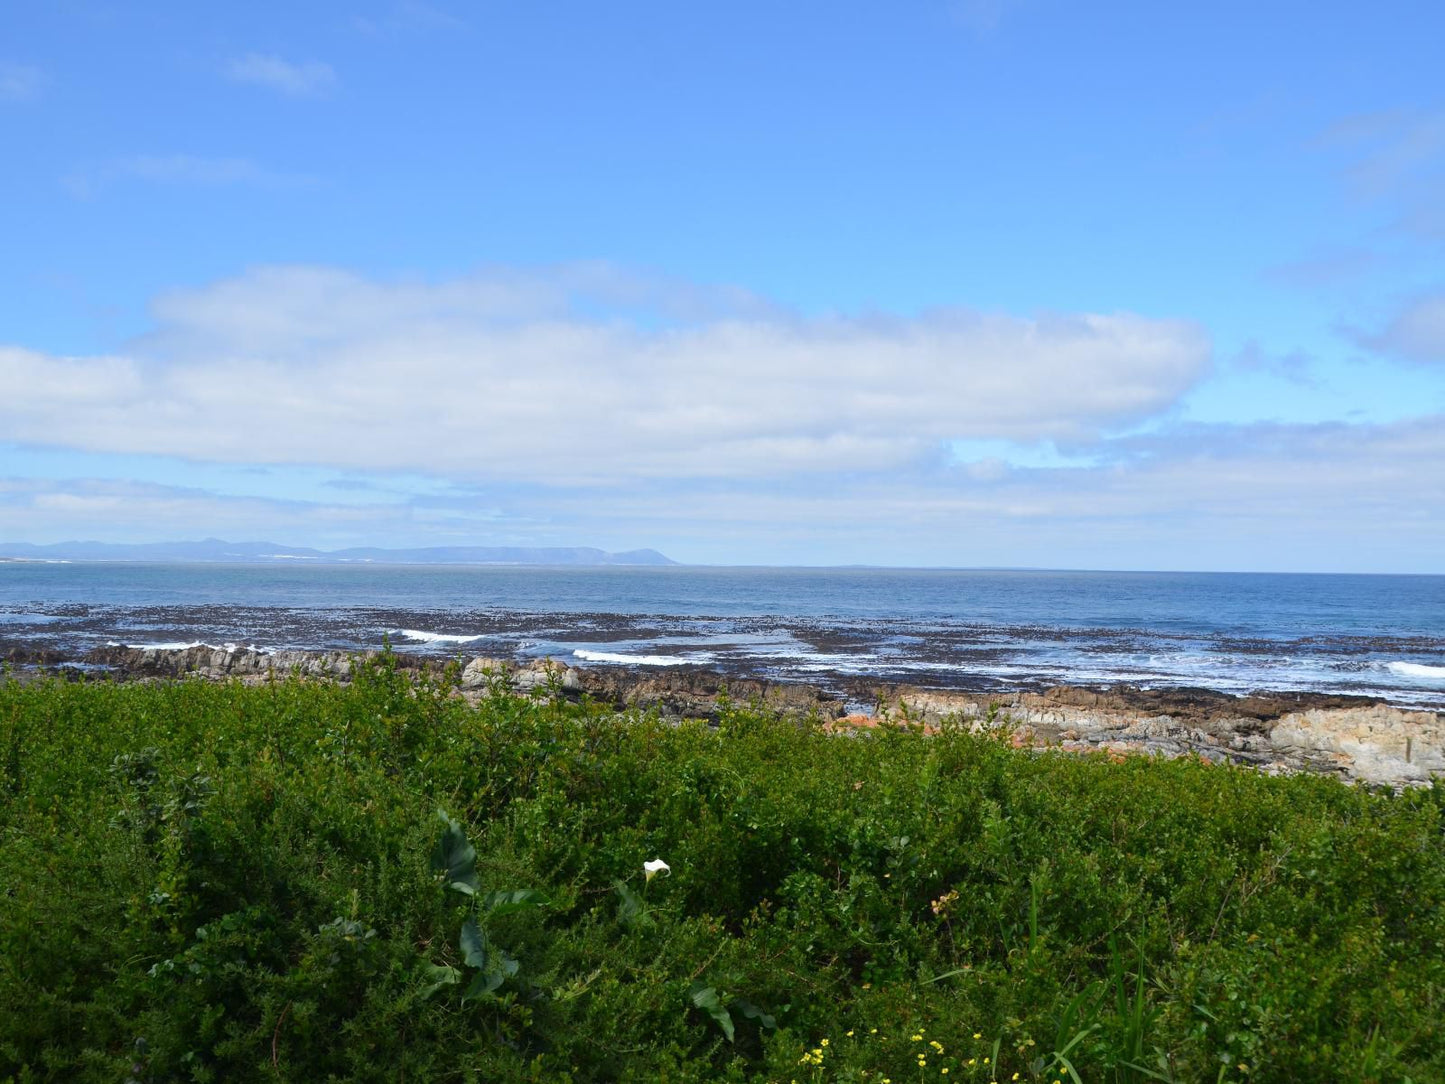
x,y
422,636
174,645
1417,670
629,660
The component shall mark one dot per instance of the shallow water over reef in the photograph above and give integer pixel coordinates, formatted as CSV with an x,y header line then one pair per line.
x,y
1378,636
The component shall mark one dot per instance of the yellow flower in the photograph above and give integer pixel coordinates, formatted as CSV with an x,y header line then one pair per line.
x,y
985,1061
822,1042
1015,1076
978,1035
872,1031
849,1035
973,1061
916,1037
943,1071
936,1045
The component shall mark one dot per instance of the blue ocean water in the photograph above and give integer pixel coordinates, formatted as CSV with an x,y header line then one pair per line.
x,y
982,629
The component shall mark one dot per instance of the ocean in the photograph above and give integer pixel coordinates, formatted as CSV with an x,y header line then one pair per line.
x,y
1381,636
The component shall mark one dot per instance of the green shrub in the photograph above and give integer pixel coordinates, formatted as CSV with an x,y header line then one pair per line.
x,y
218,882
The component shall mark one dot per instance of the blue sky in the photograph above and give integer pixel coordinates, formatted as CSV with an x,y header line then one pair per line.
x,y
969,282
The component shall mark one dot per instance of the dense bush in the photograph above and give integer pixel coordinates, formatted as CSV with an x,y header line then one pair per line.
x,y
213,882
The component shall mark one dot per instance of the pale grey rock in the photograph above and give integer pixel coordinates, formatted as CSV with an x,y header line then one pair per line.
x,y
1375,744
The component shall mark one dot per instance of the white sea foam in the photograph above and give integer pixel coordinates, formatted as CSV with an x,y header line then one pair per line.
x,y
1417,670
177,645
630,660
425,637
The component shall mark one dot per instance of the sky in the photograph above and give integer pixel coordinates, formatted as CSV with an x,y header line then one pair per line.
x,y
930,283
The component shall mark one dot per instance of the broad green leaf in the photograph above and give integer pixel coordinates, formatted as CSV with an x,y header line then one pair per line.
x,y
473,943
483,984
455,858
518,899
440,975
706,998
494,965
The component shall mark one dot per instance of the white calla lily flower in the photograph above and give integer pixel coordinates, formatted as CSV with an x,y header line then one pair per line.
x,y
656,866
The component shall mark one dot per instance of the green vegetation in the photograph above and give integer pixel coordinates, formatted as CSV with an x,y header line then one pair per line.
x,y
217,883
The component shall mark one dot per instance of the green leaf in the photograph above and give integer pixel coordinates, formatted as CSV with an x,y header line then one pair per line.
x,y
518,899
494,964
473,943
706,998
945,975
440,975
455,858
483,984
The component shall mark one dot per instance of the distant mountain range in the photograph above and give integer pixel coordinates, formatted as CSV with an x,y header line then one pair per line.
x,y
217,551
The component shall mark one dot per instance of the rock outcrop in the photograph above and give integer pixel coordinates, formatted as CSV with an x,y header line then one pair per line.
x,y
222,663
1359,739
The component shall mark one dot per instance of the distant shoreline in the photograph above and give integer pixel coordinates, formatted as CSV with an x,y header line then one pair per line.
x,y
220,551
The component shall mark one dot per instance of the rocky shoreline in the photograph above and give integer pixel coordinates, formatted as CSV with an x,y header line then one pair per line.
x,y
1355,738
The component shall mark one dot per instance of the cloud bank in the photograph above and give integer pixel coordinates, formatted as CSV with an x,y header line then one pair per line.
x,y
1216,497
581,403
584,375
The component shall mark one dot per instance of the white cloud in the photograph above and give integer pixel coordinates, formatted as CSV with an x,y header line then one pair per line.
x,y
1416,332
270,71
514,375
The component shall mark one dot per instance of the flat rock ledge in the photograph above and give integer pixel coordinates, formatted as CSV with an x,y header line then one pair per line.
x,y
1358,739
